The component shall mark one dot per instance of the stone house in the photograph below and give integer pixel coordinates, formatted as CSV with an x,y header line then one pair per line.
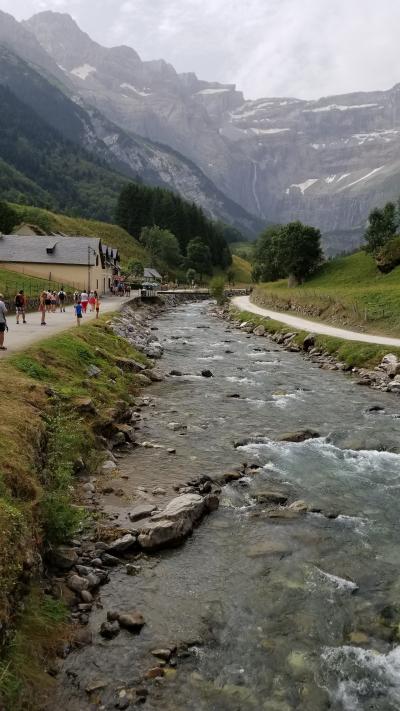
x,y
77,262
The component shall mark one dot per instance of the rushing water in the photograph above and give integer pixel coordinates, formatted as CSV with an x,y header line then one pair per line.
x,y
282,614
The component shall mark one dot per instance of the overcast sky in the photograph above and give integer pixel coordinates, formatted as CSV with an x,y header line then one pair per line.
x,y
303,48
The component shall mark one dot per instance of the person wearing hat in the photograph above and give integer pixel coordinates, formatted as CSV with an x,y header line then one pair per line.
x,y
3,322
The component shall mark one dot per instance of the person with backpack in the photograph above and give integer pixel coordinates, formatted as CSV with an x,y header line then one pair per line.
x,y
20,306
61,298
3,322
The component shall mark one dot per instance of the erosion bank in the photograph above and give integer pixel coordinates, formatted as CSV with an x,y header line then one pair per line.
x,y
58,399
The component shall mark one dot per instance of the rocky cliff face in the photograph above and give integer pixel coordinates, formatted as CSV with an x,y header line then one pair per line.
x,y
326,162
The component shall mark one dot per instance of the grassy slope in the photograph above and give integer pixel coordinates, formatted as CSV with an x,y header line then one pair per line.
x,y
113,235
11,282
349,291
41,437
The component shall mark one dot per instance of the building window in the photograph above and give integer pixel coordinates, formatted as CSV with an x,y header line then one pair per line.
x,y
97,283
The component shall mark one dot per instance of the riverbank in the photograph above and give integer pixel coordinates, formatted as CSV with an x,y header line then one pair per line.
x,y
372,365
58,397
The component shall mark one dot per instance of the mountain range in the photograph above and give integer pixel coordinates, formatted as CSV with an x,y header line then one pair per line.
x,y
326,162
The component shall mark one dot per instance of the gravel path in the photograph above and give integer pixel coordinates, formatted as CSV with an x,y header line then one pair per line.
x,y
244,304
20,337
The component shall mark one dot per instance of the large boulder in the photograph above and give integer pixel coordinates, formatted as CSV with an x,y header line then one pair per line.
x,y
391,365
175,523
63,557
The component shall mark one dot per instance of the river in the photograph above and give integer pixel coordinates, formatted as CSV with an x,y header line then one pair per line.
x,y
279,614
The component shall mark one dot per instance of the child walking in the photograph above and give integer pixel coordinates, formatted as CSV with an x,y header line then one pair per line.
x,y
78,312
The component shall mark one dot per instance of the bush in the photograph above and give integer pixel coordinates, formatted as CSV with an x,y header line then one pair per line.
x,y
217,289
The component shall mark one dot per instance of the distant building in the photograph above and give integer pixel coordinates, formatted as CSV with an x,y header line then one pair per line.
x,y
152,274
78,262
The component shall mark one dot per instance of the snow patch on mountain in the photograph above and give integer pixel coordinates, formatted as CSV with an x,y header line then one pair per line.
x,y
341,107
303,186
84,71
364,177
135,91
261,131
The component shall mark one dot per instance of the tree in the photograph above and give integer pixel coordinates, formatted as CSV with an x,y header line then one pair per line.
x,y
300,251
162,245
8,218
382,226
191,276
292,250
217,289
198,256
230,275
267,255
135,268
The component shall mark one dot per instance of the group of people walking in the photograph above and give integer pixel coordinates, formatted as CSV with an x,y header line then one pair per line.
x,y
49,302
82,301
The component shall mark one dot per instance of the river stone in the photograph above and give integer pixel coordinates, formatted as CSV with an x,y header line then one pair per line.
x,y
86,596
174,524
309,341
77,584
259,330
176,426
63,558
122,544
299,436
108,466
271,497
300,506
96,685
154,673
109,630
110,560
207,373
142,511
128,364
132,621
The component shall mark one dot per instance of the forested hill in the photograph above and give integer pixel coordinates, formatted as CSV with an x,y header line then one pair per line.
x,y
140,206
49,170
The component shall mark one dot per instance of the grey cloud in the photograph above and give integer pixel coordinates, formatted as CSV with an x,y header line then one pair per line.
x,y
304,48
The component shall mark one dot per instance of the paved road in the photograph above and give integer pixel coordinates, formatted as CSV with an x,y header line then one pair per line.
x,y
244,304
23,336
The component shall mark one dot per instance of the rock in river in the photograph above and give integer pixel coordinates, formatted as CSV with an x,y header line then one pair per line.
x,y
142,511
122,544
299,436
175,522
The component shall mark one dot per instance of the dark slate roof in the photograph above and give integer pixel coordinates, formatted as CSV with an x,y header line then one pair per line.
x,y
50,249
150,273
